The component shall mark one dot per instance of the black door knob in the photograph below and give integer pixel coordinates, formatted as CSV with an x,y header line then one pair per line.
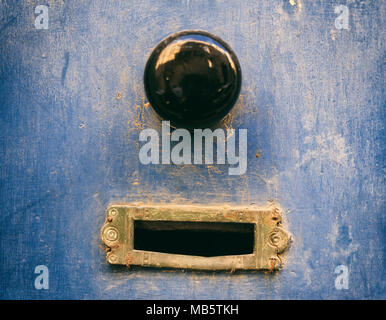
x,y
192,79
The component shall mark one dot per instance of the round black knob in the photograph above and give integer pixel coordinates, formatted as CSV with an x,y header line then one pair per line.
x,y
192,79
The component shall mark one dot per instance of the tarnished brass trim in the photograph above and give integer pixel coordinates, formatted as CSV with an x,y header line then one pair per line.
x,y
271,240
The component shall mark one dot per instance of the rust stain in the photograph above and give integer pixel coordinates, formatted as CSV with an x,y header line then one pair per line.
x,y
227,121
143,117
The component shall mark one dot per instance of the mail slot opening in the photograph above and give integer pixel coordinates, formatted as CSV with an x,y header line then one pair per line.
x,y
206,239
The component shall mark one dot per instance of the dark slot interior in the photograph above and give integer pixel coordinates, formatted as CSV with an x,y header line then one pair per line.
x,y
206,239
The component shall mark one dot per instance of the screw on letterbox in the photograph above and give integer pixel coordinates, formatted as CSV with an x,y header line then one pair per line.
x,y
111,234
113,212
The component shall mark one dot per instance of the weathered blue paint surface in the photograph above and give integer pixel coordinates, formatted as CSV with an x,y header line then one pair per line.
x,y
312,101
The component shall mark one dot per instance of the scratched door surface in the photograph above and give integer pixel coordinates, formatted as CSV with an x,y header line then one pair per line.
x,y
72,105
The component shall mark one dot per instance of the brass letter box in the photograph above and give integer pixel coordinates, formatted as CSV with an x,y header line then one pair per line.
x,y
195,237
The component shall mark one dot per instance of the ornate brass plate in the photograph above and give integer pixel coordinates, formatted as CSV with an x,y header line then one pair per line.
x,y
270,240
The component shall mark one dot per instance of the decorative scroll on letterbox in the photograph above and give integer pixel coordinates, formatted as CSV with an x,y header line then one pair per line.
x,y
195,237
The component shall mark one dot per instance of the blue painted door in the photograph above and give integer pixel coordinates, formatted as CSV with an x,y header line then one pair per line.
x,y
72,105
